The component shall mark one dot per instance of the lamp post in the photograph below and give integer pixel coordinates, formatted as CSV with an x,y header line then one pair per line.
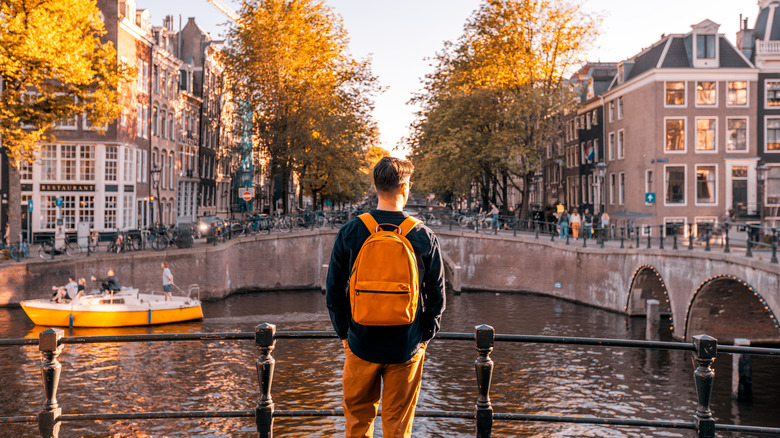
x,y
601,170
156,171
761,171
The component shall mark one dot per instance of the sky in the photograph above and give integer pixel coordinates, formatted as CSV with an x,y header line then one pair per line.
x,y
399,35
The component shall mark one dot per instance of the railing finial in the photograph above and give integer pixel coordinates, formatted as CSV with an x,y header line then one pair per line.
x,y
264,412
48,418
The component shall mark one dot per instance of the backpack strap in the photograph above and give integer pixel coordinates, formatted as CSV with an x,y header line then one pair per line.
x,y
369,222
408,224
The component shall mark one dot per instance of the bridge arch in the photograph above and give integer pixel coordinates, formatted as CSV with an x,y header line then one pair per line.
x,y
647,284
727,307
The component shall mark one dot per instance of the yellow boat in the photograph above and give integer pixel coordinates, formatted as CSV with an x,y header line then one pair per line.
x,y
128,307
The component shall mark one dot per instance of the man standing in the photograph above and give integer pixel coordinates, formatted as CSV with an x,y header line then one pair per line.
x,y
389,356
167,280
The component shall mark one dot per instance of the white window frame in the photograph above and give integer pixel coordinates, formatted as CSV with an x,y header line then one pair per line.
x,y
715,185
704,105
747,95
648,186
611,146
685,185
747,135
685,135
703,219
611,110
685,95
677,219
714,149
766,94
621,188
621,144
766,131
595,118
620,108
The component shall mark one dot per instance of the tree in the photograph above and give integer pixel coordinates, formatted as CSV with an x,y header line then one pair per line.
x,y
493,102
53,66
310,102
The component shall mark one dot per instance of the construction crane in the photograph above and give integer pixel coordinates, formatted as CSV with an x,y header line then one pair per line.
x,y
225,9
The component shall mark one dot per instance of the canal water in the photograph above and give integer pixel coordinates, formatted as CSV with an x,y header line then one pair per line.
x,y
531,379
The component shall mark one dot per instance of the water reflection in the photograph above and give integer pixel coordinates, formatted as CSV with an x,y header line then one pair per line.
x,y
211,375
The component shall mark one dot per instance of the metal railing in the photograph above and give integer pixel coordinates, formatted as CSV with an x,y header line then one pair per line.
x,y
704,348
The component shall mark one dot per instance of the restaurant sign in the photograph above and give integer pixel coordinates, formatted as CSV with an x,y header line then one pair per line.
x,y
67,187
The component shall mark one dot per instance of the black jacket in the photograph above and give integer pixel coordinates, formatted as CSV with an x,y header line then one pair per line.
x,y
392,344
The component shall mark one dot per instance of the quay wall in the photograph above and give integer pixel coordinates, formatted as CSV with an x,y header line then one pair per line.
x,y
601,277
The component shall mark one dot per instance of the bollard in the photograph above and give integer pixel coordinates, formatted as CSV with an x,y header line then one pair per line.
x,y
774,247
661,236
264,412
649,235
584,239
742,373
690,236
48,418
637,237
707,238
726,248
653,322
485,339
622,236
674,239
706,348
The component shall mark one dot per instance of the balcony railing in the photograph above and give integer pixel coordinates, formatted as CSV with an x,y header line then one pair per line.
x,y
703,347
768,47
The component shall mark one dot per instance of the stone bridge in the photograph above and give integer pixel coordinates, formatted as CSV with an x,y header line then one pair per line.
x,y
723,295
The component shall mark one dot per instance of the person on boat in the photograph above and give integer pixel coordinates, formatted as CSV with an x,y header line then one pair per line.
x,y
69,291
109,284
81,288
167,279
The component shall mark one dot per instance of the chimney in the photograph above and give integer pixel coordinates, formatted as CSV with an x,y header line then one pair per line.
x,y
745,40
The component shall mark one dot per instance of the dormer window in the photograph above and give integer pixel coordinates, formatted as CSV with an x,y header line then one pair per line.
x,y
705,46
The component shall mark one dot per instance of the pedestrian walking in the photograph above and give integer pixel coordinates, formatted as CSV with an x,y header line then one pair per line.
x,y
382,357
563,224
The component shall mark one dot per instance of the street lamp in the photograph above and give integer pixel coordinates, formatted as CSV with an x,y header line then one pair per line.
x,y
761,171
156,171
601,171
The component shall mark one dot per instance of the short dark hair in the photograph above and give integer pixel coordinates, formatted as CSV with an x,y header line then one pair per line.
x,y
389,173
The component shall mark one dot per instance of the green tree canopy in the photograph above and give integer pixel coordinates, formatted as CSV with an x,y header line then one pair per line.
x,y
309,100
53,66
492,103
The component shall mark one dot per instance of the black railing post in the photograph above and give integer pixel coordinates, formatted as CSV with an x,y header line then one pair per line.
x,y
48,418
636,230
726,247
622,236
661,236
690,236
774,246
603,237
707,238
704,377
264,412
674,237
553,232
568,232
584,239
485,339
749,244
649,235
537,230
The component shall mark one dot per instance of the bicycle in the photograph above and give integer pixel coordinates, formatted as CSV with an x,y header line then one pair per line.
x,y
20,251
47,250
159,239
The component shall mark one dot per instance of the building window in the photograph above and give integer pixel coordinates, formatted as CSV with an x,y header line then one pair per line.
x,y
111,163
155,121
772,93
772,185
675,135
705,46
611,110
140,77
611,188
737,95
705,134
25,171
109,213
69,212
675,93
622,188
736,137
48,212
68,160
87,209
705,185
87,162
706,93
587,121
155,78
620,107
648,183
49,162
611,146
675,185
621,145
595,118
675,226
127,211
128,166
773,134
123,117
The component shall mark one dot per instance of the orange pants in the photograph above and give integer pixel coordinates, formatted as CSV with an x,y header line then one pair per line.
x,y
575,230
399,385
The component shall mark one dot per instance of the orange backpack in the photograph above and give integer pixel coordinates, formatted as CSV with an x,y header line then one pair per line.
x,y
384,284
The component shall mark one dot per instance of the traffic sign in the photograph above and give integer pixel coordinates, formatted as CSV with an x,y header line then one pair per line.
x,y
247,193
58,201
650,197
29,205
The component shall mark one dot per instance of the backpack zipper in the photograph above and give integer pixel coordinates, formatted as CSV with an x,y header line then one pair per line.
x,y
358,291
